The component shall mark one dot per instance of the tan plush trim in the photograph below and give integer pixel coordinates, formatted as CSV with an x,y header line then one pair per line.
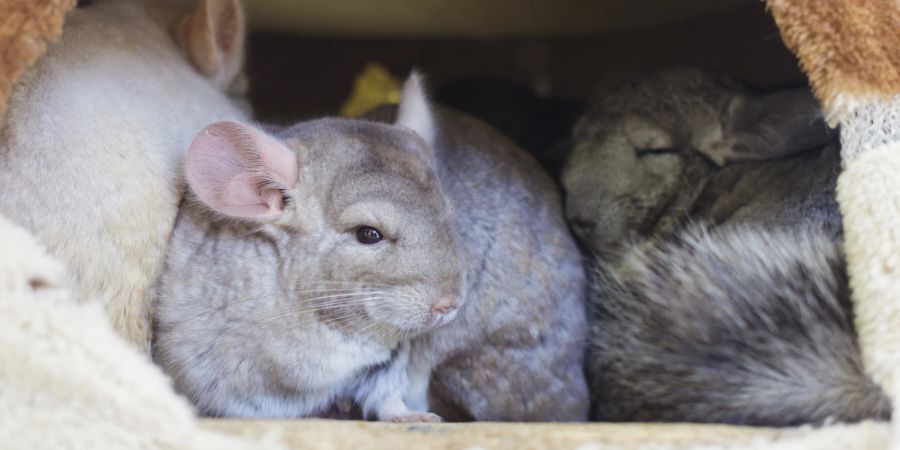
x,y
328,434
25,28
848,48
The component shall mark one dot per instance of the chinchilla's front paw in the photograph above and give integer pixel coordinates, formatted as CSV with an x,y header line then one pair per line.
x,y
415,417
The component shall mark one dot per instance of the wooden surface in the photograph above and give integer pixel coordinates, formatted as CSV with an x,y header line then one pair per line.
x,y
328,434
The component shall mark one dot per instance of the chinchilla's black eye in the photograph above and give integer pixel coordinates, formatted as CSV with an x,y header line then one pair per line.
x,y
368,235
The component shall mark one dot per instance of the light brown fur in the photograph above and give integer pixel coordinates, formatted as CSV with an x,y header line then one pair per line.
x,y
25,29
846,47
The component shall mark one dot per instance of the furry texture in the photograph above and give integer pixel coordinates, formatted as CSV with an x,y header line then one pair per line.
x,y
25,29
738,325
693,374
843,46
515,351
468,206
770,126
64,365
91,149
284,314
94,403
867,186
867,193
640,163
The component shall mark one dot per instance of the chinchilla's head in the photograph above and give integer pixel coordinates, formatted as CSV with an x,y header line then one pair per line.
x,y
355,208
210,35
635,152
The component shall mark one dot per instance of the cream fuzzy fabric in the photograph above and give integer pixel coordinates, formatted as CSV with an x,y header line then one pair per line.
x,y
66,378
869,195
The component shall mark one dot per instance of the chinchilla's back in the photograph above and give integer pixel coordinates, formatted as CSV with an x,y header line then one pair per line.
x,y
744,324
515,352
526,323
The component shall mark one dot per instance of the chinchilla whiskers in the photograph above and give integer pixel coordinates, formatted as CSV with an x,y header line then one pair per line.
x,y
309,291
344,283
394,334
349,320
339,300
313,304
309,321
377,329
348,296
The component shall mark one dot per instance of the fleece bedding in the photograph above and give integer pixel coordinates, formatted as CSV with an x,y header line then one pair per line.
x,y
68,381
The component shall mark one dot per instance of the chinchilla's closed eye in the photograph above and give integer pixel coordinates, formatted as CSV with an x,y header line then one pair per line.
x,y
642,152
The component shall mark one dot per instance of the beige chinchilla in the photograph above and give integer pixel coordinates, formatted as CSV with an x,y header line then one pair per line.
x,y
348,258
96,132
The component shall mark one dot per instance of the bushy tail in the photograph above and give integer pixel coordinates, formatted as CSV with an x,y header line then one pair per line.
x,y
737,325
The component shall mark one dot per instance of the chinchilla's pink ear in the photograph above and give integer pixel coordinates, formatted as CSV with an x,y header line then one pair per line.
x,y
414,112
239,171
213,38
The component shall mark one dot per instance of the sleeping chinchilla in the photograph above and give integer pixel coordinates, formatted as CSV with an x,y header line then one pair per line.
x,y
720,288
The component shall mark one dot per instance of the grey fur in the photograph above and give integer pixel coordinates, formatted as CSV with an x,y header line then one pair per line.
x,y
486,216
284,319
746,324
639,166
516,350
774,125
743,325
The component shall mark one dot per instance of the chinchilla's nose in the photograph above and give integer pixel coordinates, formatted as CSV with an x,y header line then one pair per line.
x,y
581,215
583,227
445,304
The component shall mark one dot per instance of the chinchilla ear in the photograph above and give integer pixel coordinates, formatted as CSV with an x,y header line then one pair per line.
x,y
794,115
414,112
800,117
239,171
741,113
213,38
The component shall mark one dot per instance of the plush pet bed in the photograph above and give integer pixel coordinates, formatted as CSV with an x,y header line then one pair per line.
x,y
67,381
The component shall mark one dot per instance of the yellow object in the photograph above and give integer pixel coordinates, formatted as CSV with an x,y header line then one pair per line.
x,y
374,86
